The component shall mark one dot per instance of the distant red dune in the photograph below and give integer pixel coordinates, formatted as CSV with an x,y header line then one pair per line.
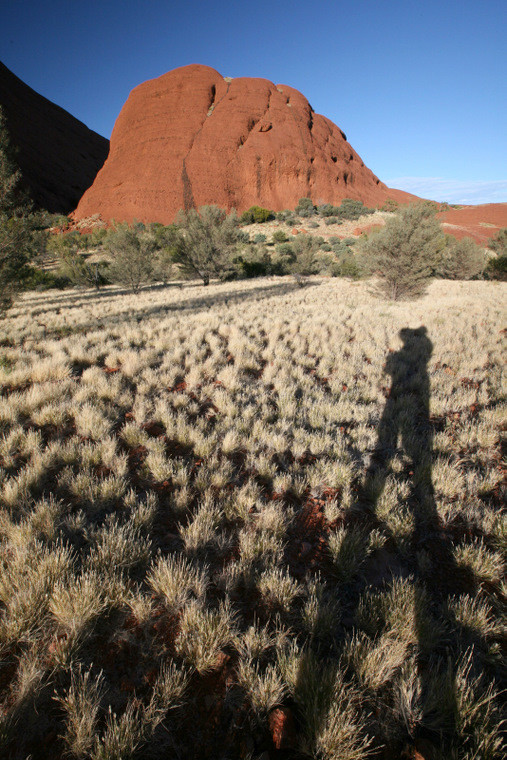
x,y
478,222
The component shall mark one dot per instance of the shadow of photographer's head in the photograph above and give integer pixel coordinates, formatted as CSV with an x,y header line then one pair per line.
x,y
416,342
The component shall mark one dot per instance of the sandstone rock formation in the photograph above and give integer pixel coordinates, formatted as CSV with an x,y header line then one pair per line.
x,y
58,155
191,138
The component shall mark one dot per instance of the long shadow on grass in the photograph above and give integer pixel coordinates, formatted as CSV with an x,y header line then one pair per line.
x,y
187,306
75,296
426,565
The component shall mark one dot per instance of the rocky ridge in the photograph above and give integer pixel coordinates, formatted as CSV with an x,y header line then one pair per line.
x,y
58,155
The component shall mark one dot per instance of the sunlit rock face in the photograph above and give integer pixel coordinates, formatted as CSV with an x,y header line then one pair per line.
x,y
192,137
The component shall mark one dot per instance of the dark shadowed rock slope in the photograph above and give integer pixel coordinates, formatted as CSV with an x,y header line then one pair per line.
x,y
58,155
192,137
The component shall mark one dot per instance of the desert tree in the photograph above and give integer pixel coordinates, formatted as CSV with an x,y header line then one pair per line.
x,y
305,249
132,251
167,245
21,233
209,238
405,253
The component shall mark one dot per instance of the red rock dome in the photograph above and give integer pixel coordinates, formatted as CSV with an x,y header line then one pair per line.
x,y
192,137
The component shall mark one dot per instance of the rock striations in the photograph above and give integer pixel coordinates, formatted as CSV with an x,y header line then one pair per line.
x,y
192,137
58,155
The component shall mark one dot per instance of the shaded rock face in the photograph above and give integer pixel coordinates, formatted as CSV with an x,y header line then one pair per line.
x,y
191,138
58,155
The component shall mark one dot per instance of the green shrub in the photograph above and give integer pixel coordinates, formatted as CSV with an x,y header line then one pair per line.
x,y
56,220
253,263
332,220
22,233
497,268
282,259
305,249
285,249
208,242
390,205
313,225
132,250
97,237
61,242
499,243
352,210
348,266
341,248
326,209
305,208
460,259
256,215
75,269
41,279
404,254
279,236
260,238
166,251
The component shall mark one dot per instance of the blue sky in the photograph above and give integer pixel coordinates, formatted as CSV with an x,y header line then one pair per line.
x,y
418,87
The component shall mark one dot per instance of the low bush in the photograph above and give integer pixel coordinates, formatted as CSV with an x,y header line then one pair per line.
x,y
326,209
41,279
352,210
253,262
60,243
282,259
499,243
58,221
256,215
75,269
460,259
348,266
390,205
496,268
305,208
279,236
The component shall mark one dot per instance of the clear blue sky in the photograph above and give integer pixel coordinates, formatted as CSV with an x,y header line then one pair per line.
x,y
418,87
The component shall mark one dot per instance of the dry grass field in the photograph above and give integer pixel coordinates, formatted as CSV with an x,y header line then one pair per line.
x,y
253,520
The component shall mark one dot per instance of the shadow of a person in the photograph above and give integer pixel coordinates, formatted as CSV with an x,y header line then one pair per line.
x,y
406,415
428,564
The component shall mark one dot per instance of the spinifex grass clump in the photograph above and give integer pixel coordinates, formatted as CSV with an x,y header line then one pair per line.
x,y
253,506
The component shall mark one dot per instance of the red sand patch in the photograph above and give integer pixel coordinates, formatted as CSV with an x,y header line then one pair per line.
x,y
475,221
